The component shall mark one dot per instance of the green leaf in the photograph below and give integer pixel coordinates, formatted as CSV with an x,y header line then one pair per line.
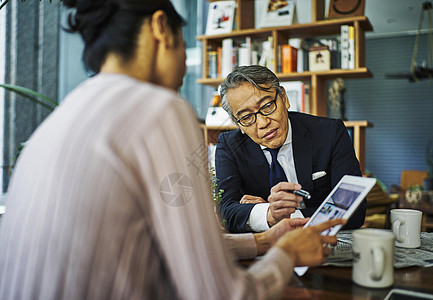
x,y
31,95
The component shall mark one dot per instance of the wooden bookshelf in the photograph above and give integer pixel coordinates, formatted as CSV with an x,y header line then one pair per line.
x,y
318,28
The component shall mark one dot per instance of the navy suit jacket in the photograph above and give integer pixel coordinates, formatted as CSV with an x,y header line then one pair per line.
x,y
319,144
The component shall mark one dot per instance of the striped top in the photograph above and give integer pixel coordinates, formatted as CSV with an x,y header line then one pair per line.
x,y
111,199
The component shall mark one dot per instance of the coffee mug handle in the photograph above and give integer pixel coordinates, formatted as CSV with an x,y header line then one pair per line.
x,y
378,260
396,229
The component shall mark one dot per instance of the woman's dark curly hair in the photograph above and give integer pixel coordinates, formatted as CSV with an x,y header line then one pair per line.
x,y
113,26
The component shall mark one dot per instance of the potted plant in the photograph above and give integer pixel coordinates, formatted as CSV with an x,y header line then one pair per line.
x,y
428,182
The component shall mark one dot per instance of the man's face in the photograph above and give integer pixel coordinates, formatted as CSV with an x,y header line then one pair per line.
x,y
269,131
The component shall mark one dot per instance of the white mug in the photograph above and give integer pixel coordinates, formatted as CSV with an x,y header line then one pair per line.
x,y
406,225
373,258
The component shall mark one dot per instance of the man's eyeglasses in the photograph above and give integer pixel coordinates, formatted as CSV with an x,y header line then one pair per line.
x,y
265,110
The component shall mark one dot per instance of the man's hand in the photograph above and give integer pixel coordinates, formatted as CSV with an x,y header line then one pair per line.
x,y
251,199
306,246
282,203
267,239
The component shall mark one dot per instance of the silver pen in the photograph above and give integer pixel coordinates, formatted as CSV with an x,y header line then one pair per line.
x,y
304,194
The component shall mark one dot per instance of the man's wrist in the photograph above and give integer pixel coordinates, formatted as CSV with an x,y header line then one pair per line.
x,y
270,219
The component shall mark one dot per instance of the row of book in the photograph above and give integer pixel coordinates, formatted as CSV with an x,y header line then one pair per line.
x,y
298,55
222,60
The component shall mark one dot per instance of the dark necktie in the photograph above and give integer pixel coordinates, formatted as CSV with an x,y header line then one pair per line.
x,y
276,174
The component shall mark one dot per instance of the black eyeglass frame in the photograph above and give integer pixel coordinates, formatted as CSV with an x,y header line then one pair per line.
x,y
260,111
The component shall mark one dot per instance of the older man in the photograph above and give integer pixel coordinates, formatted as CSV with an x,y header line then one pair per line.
x,y
274,152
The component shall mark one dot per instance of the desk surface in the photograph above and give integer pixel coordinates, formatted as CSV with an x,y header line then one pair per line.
x,y
336,283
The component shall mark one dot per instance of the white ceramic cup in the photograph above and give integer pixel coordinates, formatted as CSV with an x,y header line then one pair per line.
x,y
406,225
373,258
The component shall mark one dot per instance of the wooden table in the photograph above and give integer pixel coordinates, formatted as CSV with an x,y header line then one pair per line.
x,y
336,283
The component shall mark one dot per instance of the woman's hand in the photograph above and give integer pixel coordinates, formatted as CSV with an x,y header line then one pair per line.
x,y
306,246
267,239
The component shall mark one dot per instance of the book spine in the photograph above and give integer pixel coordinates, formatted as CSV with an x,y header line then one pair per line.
x,y
249,46
244,58
270,62
300,58
279,59
351,47
219,60
307,104
265,48
206,63
294,59
303,98
235,57
334,54
254,57
344,46
289,61
227,49
212,59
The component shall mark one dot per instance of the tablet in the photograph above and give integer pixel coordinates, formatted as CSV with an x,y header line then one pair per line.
x,y
342,202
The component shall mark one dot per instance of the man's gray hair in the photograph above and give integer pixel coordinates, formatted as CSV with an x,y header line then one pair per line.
x,y
260,77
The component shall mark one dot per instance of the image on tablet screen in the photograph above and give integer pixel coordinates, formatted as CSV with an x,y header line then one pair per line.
x,y
338,203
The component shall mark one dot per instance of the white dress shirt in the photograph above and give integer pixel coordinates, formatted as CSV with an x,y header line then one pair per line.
x,y
257,220
111,199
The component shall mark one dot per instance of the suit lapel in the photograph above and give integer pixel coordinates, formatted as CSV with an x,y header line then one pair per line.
x,y
302,153
258,164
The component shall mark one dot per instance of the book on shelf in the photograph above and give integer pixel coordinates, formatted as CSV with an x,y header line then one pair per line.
x,y
279,59
267,55
298,44
347,47
306,108
220,17
235,57
278,13
289,59
295,91
351,47
245,53
226,59
222,60
212,56
219,60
